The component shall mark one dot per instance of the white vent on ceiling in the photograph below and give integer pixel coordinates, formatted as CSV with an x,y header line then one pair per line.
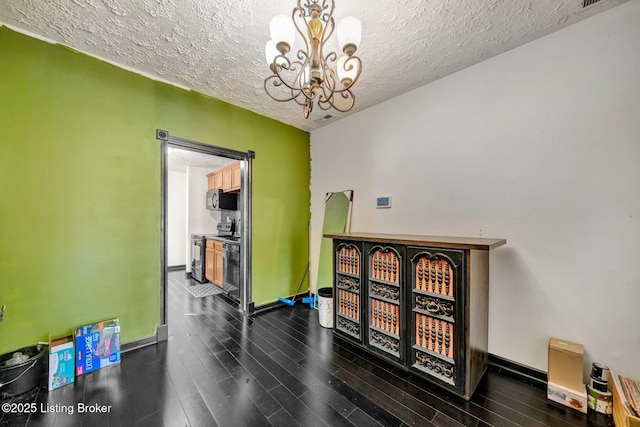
x,y
587,3
325,119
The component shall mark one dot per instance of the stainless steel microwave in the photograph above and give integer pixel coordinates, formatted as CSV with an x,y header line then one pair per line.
x,y
217,200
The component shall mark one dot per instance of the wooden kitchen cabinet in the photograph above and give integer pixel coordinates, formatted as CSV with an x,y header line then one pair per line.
x,y
227,178
214,262
218,270
209,260
235,176
214,180
217,180
419,302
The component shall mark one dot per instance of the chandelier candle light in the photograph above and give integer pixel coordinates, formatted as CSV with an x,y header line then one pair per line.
x,y
312,75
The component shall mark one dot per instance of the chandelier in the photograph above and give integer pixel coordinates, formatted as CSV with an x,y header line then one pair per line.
x,y
311,75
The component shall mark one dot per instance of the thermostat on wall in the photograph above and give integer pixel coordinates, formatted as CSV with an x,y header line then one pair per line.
x,y
383,202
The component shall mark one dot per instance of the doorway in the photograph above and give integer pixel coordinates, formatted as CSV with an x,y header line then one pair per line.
x,y
204,157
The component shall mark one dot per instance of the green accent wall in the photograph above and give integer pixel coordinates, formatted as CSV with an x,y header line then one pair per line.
x,y
80,202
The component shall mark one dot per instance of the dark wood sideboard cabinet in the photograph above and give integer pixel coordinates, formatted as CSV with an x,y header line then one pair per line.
x,y
419,302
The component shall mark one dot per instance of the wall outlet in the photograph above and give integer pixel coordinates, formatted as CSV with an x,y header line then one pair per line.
x,y
383,202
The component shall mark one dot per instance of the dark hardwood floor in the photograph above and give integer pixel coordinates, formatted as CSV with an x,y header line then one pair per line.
x,y
278,368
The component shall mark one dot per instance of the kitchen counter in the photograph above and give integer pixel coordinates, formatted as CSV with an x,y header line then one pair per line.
x,y
235,239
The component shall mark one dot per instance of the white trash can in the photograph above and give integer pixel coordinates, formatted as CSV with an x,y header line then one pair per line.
x,y
325,307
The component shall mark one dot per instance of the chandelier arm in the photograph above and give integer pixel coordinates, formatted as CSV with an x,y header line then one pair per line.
x,y
304,8
329,91
300,100
326,103
299,14
284,61
329,103
277,83
296,92
304,65
325,100
329,28
291,66
302,55
295,95
330,77
355,79
327,4
329,85
331,57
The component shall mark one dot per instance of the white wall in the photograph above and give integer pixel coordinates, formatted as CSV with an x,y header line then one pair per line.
x,y
541,146
176,218
199,219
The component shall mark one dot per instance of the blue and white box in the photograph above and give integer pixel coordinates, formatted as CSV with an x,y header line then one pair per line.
x,y
61,362
97,346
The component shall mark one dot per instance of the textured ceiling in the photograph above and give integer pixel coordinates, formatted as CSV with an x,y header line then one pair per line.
x,y
178,160
216,47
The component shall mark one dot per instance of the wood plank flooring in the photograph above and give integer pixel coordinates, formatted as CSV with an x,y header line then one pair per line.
x,y
278,368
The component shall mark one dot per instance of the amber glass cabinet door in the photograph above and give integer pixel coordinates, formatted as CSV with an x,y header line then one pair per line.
x,y
348,288
436,329
385,291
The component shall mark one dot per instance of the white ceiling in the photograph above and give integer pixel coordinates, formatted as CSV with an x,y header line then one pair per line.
x,y
178,160
216,47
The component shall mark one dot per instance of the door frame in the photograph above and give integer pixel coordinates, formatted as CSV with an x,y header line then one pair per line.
x,y
167,140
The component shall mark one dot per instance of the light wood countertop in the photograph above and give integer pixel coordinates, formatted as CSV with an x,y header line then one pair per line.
x,y
480,243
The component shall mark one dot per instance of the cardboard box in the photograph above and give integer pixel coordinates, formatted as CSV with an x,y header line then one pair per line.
x,y
61,362
566,364
622,417
97,346
576,399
